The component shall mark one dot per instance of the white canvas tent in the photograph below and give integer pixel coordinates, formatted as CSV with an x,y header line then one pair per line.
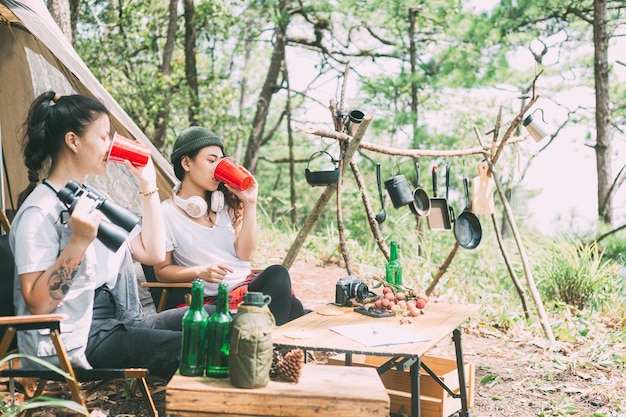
x,y
35,56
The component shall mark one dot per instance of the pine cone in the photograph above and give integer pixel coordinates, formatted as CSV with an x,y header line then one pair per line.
x,y
290,368
276,358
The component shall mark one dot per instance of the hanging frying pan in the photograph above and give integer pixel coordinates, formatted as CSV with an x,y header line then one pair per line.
x,y
439,216
420,206
467,229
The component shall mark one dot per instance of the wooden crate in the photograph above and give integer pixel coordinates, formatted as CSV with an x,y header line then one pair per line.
x,y
434,400
321,391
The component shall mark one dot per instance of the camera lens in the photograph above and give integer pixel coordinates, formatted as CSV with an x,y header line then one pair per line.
x,y
361,291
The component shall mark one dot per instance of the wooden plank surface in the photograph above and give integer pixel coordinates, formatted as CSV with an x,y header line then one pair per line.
x,y
312,331
323,390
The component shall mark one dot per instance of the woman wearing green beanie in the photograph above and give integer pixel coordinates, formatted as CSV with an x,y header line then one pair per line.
x,y
211,230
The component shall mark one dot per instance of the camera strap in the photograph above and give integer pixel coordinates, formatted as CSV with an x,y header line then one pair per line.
x,y
64,215
49,185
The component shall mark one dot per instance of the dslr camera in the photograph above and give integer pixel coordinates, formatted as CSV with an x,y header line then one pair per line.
x,y
113,234
349,288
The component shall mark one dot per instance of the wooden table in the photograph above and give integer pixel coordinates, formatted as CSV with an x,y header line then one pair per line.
x,y
312,332
321,391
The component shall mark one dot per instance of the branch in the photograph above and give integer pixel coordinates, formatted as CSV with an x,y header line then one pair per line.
x,y
377,37
340,225
510,268
342,100
389,150
579,13
325,197
517,119
617,183
443,268
371,217
333,113
607,234
530,282
274,128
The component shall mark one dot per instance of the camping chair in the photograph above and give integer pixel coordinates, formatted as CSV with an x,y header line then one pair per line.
x,y
10,324
4,221
168,295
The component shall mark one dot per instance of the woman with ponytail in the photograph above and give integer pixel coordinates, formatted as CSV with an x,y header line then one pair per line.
x,y
62,268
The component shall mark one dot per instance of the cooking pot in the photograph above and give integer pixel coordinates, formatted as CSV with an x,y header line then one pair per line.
x,y
399,191
320,178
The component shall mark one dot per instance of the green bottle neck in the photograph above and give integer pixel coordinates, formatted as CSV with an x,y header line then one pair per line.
x,y
197,295
393,255
221,307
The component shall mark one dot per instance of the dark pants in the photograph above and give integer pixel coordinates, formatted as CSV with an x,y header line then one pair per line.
x,y
275,282
153,342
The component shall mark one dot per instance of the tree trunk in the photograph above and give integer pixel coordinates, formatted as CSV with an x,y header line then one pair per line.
x,y
413,55
269,87
292,157
60,11
603,113
160,124
191,71
74,12
244,88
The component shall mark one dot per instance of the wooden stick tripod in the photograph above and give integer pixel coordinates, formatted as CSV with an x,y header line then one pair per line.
x,y
350,144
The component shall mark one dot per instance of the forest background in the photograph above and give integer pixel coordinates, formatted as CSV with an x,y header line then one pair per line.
x,y
434,75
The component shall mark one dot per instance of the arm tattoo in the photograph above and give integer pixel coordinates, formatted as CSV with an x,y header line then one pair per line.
x,y
60,280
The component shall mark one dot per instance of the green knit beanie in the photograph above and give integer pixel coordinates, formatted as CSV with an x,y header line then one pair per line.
x,y
194,138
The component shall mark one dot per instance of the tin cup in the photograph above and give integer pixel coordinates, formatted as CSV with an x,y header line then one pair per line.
x,y
123,149
228,172
354,118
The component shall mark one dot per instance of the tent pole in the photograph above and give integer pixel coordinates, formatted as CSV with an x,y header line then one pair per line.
x,y
2,203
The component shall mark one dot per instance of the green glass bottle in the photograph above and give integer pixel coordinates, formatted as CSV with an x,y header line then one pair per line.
x,y
218,336
393,269
195,320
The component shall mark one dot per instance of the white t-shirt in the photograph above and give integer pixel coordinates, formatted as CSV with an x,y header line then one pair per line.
x,y
37,238
193,244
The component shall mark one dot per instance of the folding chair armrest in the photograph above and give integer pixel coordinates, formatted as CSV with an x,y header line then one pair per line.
x,y
38,321
166,285
41,320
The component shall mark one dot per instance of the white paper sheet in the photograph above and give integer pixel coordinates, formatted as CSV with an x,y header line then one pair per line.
x,y
378,334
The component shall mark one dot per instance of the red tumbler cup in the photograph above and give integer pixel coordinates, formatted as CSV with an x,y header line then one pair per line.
x,y
228,172
126,149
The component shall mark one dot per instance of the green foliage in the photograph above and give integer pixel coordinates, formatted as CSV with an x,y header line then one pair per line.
x,y
562,407
123,43
457,50
14,410
614,248
576,274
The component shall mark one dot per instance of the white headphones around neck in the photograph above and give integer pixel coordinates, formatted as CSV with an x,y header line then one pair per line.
x,y
196,206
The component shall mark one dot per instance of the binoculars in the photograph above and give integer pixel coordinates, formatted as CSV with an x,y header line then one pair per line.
x,y
113,234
